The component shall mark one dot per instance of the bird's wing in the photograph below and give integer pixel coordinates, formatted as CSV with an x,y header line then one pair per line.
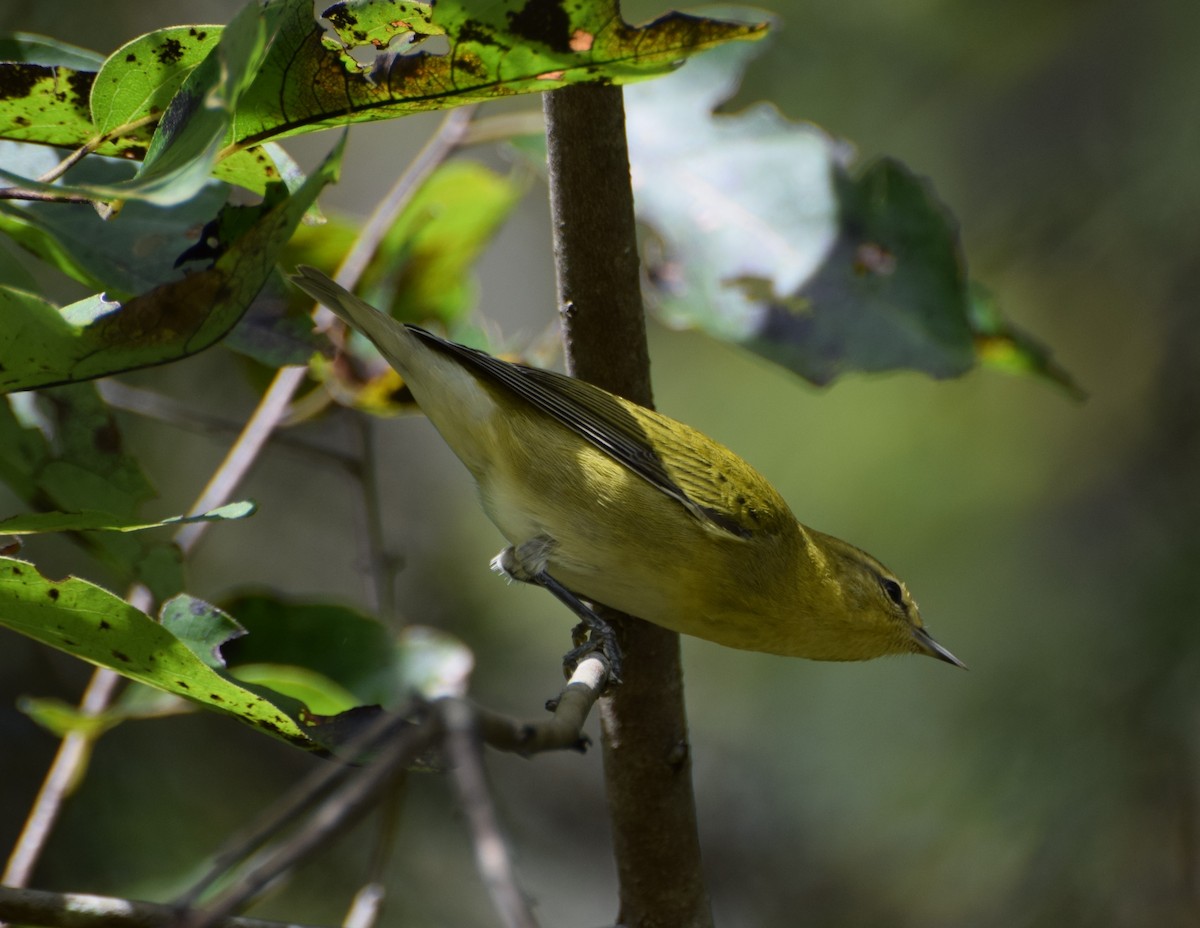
x,y
603,420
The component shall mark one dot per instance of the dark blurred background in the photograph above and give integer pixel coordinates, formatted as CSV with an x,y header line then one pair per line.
x,y
1052,545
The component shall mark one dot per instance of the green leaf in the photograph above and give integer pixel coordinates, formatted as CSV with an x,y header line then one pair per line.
x,y
183,149
62,449
318,692
203,627
391,59
276,331
891,293
97,626
13,271
355,651
759,233
352,649
423,264
257,167
92,521
39,49
136,701
129,254
40,345
61,718
45,103
274,72
1003,346
140,78
127,92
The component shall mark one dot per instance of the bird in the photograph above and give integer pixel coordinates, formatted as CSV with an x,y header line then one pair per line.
x,y
605,502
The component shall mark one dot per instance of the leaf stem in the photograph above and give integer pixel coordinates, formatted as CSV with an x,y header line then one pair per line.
x,y
41,196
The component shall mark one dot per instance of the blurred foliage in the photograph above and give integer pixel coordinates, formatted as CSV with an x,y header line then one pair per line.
x,y
759,232
1052,545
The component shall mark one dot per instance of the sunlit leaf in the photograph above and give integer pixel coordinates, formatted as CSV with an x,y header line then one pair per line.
x,y
198,118
276,72
321,694
140,78
422,267
311,695
97,626
182,151
46,103
393,59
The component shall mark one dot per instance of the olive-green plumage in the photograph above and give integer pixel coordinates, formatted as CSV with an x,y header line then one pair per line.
x,y
627,507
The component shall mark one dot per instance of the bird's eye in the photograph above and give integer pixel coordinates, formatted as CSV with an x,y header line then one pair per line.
x,y
893,591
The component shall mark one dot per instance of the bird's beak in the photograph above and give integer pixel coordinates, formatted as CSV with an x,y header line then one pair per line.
x,y
926,645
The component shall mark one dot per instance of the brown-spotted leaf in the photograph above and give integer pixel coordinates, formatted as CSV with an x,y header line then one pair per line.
x,y
394,57
41,346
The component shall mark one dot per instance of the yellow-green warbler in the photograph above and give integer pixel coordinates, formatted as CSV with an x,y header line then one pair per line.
x,y
606,501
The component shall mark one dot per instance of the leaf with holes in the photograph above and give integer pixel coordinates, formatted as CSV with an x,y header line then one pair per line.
x,y
391,58
196,85
97,626
41,345
759,232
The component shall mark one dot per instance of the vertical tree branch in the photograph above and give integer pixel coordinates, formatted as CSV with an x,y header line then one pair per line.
x,y
646,756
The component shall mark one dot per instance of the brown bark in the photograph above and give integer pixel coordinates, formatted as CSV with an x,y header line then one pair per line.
x,y
646,757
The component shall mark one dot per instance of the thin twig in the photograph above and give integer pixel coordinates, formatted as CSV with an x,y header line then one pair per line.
x,y
70,161
445,140
564,730
367,904
90,146
41,196
324,788
59,782
80,910
334,816
150,404
273,406
65,770
244,452
382,565
292,806
491,850
504,126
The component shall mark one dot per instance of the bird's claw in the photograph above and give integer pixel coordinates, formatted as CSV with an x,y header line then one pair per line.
x,y
600,640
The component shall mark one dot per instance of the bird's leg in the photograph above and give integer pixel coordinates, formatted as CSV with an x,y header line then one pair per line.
x,y
527,563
